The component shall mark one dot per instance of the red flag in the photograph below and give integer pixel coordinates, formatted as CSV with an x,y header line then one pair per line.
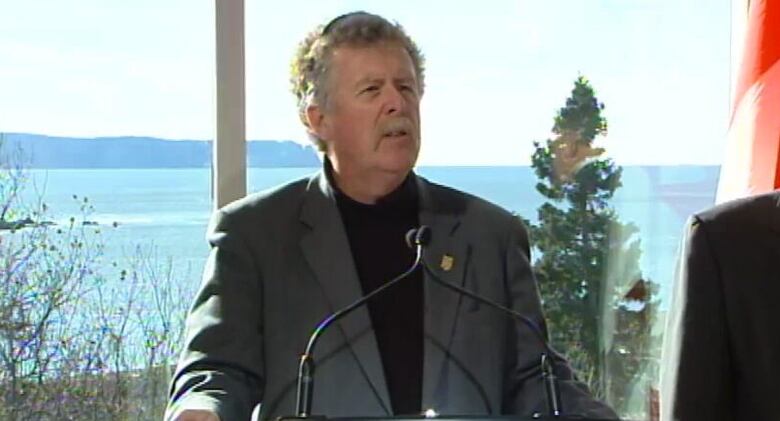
x,y
752,162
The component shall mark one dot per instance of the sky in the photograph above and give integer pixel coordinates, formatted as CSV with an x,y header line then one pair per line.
x,y
496,73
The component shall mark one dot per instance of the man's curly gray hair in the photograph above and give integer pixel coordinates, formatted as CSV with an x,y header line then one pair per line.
x,y
310,66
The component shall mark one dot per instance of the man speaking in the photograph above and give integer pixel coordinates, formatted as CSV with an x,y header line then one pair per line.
x,y
284,259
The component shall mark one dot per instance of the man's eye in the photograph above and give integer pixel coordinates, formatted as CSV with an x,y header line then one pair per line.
x,y
410,89
371,88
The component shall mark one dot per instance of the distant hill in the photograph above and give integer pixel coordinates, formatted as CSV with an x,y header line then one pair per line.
x,y
39,151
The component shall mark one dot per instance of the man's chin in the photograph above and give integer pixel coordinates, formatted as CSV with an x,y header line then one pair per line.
x,y
400,166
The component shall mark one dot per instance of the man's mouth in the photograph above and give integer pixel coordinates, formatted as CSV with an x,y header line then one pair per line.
x,y
396,133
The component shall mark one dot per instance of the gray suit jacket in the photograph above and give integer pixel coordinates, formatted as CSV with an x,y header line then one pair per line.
x,y
722,344
280,262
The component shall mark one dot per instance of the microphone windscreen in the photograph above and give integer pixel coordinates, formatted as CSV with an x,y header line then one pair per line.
x,y
410,237
423,236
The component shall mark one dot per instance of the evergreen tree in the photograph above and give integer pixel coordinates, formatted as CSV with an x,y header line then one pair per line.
x,y
598,307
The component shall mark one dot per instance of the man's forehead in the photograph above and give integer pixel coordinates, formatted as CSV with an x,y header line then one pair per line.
x,y
374,61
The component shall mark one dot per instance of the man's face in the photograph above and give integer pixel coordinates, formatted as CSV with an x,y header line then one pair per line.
x,y
371,122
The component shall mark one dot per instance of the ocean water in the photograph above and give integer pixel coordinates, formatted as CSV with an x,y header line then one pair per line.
x,y
166,211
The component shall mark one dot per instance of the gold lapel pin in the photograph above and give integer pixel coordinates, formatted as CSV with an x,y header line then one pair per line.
x,y
446,262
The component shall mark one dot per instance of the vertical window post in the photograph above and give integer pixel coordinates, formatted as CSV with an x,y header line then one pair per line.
x,y
229,149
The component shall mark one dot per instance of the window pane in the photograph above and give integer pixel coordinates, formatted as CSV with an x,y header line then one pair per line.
x,y
104,206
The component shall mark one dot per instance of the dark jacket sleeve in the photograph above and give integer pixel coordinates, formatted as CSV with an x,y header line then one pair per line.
x,y
526,388
221,365
697,378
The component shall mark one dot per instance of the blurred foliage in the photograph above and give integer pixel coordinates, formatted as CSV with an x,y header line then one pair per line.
x,y
599,308
78,342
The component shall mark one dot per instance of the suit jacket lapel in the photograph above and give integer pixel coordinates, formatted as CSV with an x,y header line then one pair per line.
x,y
448,256
326,249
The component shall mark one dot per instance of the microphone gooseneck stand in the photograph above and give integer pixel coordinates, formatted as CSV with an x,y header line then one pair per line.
x,y
418,239
303,400
422,237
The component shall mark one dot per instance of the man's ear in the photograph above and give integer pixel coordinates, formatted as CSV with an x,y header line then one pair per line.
x,y
315,121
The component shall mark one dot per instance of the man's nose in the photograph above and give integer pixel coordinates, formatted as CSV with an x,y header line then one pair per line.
x,y
395,102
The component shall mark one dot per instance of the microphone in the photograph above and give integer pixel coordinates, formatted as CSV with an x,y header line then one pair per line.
x,y
420,238
414,238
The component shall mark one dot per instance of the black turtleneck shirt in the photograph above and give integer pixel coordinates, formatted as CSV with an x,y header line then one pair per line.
x,y
376,236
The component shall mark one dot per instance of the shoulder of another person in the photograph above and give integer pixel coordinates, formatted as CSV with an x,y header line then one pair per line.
x,y
740,214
